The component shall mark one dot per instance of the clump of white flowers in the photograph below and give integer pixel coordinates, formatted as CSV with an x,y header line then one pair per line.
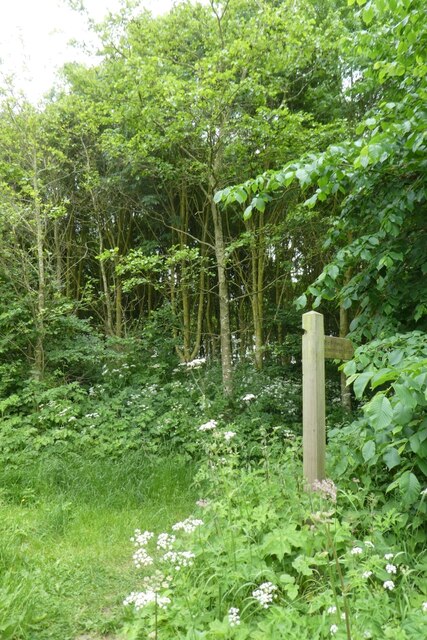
x,y
165,541
265,594
208,426
141,539
233,616
141,558
356,551
389,584
228,435
142,598
193,364
248,397
188,526
179,559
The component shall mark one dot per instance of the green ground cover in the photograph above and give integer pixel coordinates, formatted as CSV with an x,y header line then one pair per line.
x,y
65,554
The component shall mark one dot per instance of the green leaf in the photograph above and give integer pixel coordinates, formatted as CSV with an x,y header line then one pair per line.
x,y
259,204
368,450
248,212
410,487
368,14
405,396
382,376
302,565
379,411
391,458
360,383
301,302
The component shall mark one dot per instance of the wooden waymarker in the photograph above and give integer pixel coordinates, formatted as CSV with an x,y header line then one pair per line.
x,y
315,348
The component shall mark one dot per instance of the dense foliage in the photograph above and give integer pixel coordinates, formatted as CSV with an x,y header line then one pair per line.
x,y
151,291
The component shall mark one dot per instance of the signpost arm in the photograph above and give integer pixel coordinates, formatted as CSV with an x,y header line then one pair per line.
x,y
313,375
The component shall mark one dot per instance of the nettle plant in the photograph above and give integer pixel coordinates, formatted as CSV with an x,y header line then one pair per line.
x,y
261,558
390,375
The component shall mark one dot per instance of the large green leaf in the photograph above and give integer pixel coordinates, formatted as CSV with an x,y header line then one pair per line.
x,y
410,487
379,411
368,450
391,458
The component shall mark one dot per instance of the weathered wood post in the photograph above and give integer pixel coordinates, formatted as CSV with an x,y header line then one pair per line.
x,y
313,397
316,347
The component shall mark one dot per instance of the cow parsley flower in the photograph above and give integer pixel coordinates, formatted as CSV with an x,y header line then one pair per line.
x,y
248,397
333,629
208,426
142,598
391,568
141,558
141,539
265,594
388,556
366,574
188,526
228,435
332,609
389,584
165,541
356,551
233,616
179,559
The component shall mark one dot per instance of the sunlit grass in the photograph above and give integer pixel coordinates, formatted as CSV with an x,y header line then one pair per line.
x,y
65,555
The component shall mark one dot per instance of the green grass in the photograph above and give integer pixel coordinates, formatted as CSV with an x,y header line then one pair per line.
x,y
65,554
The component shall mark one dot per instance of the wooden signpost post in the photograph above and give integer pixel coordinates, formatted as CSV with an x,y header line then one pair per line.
x,y
315,348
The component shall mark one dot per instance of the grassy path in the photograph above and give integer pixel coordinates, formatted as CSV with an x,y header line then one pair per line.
x,y
65,555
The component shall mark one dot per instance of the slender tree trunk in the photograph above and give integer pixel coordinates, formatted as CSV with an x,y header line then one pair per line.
x,y
41,289
224,307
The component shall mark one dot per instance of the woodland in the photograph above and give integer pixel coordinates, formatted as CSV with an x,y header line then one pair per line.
x,y
166,216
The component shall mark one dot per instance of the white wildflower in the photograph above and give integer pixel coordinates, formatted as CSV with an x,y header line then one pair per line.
x,y
391,568
141,558
389,584
188,526
424,607
366,574
356,551
142,598
193,364
165,541
388,556
208,426
332,609
333,629
248,397
265,594
228,435
179,559
233,616
141,539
